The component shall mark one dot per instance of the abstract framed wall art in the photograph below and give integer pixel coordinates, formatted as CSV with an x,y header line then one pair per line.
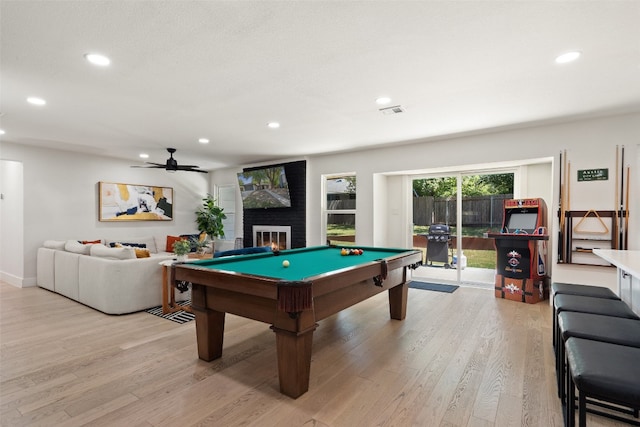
x,y
131,202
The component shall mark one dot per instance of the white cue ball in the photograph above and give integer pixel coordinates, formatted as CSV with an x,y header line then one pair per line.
x,y
285,263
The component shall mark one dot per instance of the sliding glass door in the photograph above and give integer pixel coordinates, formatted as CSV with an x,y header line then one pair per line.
x,y
451,216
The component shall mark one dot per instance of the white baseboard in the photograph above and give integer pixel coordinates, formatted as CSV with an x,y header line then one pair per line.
x,y
18,282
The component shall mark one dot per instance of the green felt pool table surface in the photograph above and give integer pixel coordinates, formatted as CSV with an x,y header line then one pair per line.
x,y
303,263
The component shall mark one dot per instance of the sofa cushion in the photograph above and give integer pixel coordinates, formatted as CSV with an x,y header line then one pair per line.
x,y
54,244
45,268
103,251
76,247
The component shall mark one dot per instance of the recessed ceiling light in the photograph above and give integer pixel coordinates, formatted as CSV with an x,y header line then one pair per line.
x,y
203,141
274,125
1,131
36,101
97,59
568,57
144,156
383,100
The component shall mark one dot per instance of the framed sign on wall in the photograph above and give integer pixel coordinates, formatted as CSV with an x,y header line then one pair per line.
x,y
132,202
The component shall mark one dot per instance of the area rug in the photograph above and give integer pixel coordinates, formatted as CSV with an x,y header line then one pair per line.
x,y
178,316
432,286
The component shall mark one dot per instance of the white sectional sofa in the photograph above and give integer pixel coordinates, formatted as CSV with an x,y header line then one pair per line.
x,y
112,280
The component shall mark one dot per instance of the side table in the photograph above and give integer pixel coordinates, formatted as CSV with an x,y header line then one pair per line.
x,y
169,287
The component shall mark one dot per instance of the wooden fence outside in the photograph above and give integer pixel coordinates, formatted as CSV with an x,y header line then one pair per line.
x,y
477,211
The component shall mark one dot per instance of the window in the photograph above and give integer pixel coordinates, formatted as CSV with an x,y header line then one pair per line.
x,y
340,209
227,200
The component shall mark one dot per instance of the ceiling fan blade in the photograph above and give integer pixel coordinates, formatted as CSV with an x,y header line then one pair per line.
x,y
191,169
149,167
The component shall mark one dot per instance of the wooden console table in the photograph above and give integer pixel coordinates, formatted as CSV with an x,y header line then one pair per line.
x,y
169,287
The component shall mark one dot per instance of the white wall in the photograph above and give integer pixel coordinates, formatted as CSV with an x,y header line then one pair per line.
x,y
61,200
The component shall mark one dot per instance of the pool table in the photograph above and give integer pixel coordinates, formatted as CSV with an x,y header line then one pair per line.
x,y
318,283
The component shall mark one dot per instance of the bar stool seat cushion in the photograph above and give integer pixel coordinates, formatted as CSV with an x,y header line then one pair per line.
x,y
582,304
615,330
605,371
584,290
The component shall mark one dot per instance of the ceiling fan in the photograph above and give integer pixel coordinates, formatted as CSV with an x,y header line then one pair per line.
x,y
172,165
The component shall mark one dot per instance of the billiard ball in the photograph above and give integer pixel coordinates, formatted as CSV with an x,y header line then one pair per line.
x,y
285,263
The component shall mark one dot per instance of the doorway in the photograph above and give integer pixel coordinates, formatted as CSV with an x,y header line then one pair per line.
x,y
452,215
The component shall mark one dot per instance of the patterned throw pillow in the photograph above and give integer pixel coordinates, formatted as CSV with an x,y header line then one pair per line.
x,y
132,245
193,239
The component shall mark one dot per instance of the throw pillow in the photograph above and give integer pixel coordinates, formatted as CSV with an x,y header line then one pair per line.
x,y
142,253
148,241
170,241
90,242
243,251
133,245
193,239
54,244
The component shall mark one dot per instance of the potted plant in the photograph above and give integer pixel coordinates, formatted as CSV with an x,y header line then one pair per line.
x,y
209,219
182,248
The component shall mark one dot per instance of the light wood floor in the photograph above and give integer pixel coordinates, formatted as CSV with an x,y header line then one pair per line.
x,y
461,359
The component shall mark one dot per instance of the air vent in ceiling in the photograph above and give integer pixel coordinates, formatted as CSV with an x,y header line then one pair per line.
x,y
397,109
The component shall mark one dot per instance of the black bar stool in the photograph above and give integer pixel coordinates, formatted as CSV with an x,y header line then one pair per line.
x,y
603,371
614,330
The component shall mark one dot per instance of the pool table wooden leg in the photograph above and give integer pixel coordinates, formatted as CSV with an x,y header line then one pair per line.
x,y
294,360
294,339
398,301
209,333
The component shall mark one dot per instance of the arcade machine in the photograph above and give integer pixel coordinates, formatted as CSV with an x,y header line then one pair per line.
x,y
521,250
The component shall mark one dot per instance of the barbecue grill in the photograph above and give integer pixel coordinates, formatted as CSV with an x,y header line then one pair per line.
x,y
438,244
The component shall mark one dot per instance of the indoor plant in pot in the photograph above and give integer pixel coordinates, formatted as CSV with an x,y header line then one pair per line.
x,y
209,219
182,248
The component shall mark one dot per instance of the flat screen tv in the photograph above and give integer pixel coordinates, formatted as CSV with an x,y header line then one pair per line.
x,y
264,188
